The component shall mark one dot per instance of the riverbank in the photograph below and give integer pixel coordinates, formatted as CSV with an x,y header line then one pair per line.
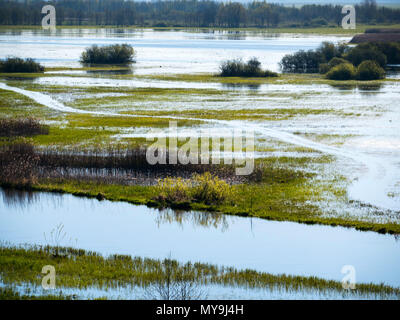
x,y
79,270
261,201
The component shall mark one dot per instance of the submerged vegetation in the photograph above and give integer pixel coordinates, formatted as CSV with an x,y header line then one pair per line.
x,y
80,269
112,54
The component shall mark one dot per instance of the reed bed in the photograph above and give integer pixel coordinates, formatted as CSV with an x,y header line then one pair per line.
x,y
114,165
22,127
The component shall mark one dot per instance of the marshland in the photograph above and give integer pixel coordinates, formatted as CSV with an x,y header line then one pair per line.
x,y
80,107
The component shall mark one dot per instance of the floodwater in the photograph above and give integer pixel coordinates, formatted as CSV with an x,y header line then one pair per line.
x,y
274,247
158,51
375,186
364,118
370,138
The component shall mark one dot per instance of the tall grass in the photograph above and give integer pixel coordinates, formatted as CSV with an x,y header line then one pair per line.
x,y
112,54
116,165
14,64
205,188
18,165
22,127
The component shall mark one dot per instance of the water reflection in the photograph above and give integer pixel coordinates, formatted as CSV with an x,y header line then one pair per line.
x,y
126,71
239,86
14,198
21,199
276,247
366,88
202,219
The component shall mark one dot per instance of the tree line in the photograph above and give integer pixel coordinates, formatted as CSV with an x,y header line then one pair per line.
x,y
189,13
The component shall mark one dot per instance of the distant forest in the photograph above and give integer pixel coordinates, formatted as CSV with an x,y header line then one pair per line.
x,y
190,13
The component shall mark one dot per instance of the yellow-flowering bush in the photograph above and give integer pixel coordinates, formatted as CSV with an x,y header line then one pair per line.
x,y
174,189
210,189
204,188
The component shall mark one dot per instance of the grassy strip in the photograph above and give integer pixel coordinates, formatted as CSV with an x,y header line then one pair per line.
x,y
77,268
286,78
280,199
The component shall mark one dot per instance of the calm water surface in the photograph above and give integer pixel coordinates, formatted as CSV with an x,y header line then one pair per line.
x,y
275,247
159,51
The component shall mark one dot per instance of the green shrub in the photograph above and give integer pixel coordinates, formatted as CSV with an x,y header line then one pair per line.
x,y
336,61
210,189
391,50
112,54
366,51
173,190
301,62
325,67
238,68
310,61
329,50
343,71
205,188
14,64
370,70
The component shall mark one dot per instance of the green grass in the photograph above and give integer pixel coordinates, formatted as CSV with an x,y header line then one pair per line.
x,y
286,193
80,269
288,199
286,78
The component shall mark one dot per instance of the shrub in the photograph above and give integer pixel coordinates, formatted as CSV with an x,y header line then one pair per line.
x,y
391,50
205,188
328,50
310,61
14,64
21,127
344,71
113,54
173,190
238,68
325,67
370,70
336,61
210,189
366,51
301,62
